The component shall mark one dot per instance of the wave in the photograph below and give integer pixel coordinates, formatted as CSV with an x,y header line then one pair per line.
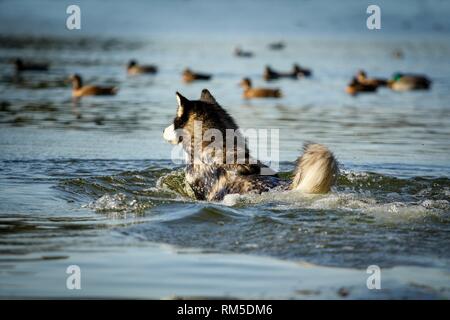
x,y
367,218
365,192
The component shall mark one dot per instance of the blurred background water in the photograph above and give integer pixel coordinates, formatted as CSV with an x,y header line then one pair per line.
x,y
78,182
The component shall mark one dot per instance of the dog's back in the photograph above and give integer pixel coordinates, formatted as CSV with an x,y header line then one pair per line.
x,y
211,174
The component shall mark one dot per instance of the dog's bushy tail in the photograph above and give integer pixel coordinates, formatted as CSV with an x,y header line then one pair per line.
x,y
316,170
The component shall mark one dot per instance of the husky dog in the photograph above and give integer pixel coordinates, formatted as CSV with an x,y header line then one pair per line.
x,y
209,172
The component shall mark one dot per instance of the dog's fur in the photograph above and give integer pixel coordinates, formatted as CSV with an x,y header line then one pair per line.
x,y
211,178
316,169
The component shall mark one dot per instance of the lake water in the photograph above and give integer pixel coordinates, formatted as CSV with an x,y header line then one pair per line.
x,y
78,182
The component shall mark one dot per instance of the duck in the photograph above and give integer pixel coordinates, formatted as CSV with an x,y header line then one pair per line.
x,y
302,72
29,66
407,82
238,52
361,76
398,54
276,45
270,74
355,87
78,90
134,68
250,92
189,76
297,72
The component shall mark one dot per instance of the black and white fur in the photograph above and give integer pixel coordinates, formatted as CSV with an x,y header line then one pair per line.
x,y
212,178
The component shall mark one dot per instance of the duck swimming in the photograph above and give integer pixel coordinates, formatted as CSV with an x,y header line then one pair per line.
x,y
398,54
297,72
189,76
29,66
276,45
238,52
270,74
78,90
407,82
361,76
133,68
302,72
355,87
250,92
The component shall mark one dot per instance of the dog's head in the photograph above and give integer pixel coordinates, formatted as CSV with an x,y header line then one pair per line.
x,y
206,110
210,115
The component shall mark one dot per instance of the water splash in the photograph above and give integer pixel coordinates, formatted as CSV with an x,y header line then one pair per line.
x,y
118,202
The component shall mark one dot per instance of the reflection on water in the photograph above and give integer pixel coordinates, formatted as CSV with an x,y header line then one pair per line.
x,y
82,182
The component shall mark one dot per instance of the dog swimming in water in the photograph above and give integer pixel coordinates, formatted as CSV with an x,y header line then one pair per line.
x,y
215,168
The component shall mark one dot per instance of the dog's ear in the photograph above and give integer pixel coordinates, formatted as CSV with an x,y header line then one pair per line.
x,y
207,97
182,104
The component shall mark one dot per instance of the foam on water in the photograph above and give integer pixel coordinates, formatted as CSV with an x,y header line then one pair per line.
x,y
118,202
391,211
384,198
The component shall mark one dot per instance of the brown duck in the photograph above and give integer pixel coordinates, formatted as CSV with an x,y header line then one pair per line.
x,y
361,76
250,92
189,76
355,87
29,66
78,90
134,68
